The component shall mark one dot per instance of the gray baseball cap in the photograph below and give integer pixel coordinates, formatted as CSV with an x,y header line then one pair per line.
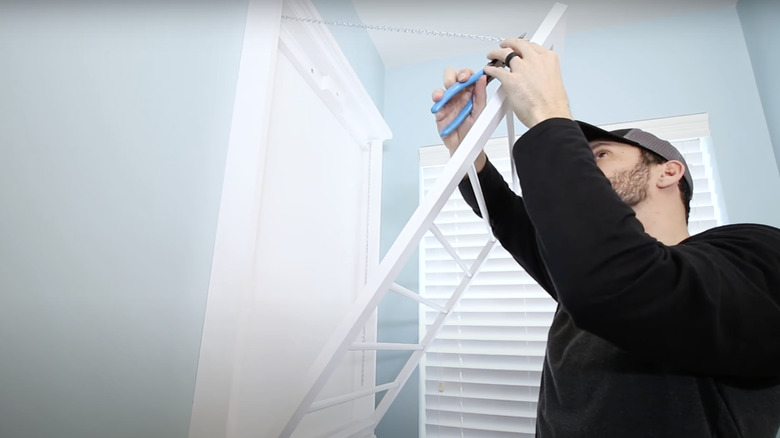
x,y
642,139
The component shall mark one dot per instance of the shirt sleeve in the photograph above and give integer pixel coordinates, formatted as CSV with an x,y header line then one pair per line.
x,y
509,222
709,305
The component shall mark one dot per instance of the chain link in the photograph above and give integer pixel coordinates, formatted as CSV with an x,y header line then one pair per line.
x,y
396,29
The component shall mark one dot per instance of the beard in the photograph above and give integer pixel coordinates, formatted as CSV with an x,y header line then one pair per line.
x,y
631,185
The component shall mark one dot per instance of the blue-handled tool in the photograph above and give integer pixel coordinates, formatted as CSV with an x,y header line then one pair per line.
x,y
456,88
449,94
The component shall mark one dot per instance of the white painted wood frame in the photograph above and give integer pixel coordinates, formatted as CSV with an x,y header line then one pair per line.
x,y
550,34
232,268
227,400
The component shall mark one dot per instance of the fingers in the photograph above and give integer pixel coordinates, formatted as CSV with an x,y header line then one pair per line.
x,y
480,96
522,47
498,54
525,50
499,73
451,76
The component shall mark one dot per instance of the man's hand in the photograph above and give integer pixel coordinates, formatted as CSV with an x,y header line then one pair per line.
x,y
453,107
533,84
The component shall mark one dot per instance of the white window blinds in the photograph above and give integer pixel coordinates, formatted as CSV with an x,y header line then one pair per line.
x,y
480,377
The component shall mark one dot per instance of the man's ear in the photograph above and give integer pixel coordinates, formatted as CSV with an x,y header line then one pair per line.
x,y
673,172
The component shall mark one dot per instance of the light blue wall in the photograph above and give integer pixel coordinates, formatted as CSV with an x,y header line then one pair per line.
x,y
114,125
688,64
683,65
655,69
759,23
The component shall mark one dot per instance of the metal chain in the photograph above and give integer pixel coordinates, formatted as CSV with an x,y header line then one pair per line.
x,y
396,29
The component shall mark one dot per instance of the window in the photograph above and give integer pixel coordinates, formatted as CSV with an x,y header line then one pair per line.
x,y
480,377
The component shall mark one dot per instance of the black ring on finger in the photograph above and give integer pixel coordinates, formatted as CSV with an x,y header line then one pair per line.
x,y
509,58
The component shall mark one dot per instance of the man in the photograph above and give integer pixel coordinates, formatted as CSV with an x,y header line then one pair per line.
x,y
657,333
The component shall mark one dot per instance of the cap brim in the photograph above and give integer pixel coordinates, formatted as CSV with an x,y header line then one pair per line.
x,y
594,133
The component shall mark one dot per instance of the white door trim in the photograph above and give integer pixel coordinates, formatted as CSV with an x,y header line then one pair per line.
x,y
219,407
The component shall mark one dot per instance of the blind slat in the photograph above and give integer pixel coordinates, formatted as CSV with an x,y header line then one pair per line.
x,y
441,431
480,406
488,422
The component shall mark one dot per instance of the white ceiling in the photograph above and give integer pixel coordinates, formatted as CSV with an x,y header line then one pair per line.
x,y
500,18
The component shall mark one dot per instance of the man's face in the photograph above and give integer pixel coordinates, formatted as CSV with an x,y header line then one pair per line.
x,y
622,164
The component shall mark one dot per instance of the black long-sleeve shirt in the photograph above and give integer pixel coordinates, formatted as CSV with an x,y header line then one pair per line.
x,y
648,340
